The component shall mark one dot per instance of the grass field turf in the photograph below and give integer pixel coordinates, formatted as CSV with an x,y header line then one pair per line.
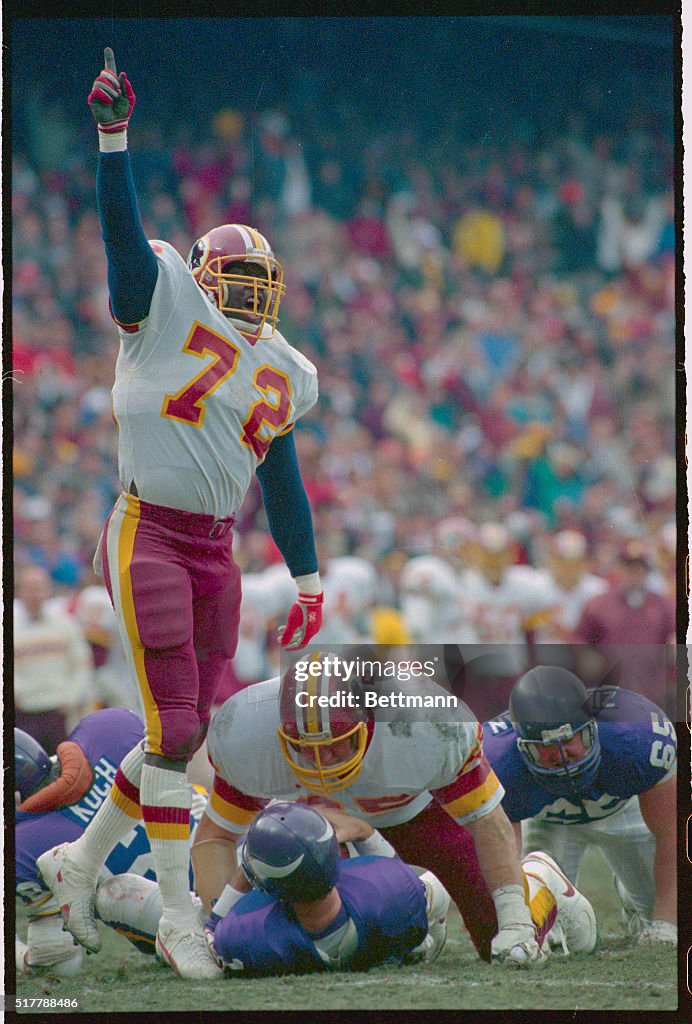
x,y
621,976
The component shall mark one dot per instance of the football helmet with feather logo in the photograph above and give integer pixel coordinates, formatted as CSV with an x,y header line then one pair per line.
x,y
235,266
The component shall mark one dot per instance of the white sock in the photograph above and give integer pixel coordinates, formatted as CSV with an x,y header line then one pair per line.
x,y
166,800
116,816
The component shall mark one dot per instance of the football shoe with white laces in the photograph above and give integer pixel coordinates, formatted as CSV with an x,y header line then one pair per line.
x,y
186,950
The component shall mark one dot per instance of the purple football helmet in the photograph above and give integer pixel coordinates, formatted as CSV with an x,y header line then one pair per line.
x,y
291,852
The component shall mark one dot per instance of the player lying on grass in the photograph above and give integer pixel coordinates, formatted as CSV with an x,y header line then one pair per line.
x,y
300,903
57,798
594,767
297,906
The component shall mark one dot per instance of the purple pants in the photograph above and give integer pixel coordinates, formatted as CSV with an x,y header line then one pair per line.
x,y
176,593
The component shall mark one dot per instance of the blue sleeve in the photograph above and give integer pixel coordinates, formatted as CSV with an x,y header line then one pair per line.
x,y
132,266
287,506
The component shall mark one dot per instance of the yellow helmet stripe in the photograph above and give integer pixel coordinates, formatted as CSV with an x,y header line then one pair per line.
x,y
257,240
254,239
246,234
314,686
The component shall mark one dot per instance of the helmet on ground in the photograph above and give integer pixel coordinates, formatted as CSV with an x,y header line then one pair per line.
x,y
291,851
322,730
32,765
235,266
550,706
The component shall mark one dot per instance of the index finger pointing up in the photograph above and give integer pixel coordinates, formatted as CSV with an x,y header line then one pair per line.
x,y
109,59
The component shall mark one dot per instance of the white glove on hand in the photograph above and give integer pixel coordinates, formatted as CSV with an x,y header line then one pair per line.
x,y
659,931
515,943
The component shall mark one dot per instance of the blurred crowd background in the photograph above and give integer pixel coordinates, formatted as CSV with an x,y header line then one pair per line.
x,y
475,217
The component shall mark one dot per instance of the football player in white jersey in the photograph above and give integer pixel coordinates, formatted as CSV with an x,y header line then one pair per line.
x,y
504,603
350,593
420,776
573,585
430,604
206,392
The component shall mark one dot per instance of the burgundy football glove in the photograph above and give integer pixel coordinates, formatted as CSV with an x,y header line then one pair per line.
x,y
303,622
112,98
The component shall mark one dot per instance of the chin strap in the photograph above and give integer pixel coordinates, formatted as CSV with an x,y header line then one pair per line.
x,y
76,776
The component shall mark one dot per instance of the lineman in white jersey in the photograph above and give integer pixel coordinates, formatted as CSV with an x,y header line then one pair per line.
x,y
504,603
350,593
573,585
430,602
419,775
175,425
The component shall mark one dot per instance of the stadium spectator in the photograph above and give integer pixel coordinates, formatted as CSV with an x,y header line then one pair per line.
x,y
631,629
53,667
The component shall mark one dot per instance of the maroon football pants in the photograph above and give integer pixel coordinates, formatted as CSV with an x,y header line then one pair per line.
x,y
176,593
435,841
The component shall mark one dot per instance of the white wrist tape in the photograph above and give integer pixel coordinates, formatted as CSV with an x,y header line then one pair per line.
x,y
309,584
228,898
114,143
511,906
375,846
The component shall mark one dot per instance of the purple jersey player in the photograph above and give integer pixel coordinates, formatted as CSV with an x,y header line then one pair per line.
x,y
297,905
594,767
59,797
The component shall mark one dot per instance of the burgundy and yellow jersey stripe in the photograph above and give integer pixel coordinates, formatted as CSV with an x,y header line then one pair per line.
x,y
235,808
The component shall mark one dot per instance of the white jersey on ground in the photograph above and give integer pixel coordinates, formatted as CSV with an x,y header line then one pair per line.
x,y
196,402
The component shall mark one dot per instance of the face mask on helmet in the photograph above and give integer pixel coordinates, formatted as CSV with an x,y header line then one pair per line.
x,y
550,708
291,851
579,774
235,266
323,745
